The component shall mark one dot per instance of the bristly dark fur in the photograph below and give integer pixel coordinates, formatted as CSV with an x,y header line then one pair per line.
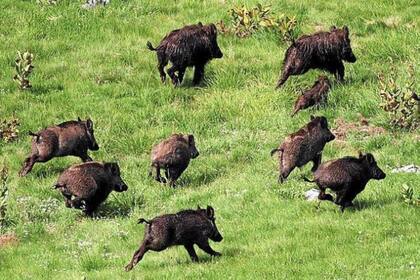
x,y
317,94
190,46
323,50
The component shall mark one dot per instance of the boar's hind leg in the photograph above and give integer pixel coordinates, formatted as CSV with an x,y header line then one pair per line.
x,y
171,73
198,74
138,255
173,174
162,62
204,245
181,73
191,252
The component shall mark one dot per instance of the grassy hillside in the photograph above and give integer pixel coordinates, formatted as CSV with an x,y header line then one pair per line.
x,y
94,63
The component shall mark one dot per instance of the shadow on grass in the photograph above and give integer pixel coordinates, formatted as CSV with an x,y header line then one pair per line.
x,y
38,90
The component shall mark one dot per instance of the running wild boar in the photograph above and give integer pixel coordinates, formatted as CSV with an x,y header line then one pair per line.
x,y
72,138
190,46
87,185
347,177
318,94
187,228
323,50
303,146
173,155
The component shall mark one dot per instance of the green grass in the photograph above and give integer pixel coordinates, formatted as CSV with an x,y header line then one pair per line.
x,y
237,117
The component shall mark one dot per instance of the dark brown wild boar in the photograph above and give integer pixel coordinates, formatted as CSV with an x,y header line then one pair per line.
x,y
323,50
190,46
347,177
173,155
89,184
303,146
187,228
317,94
72,138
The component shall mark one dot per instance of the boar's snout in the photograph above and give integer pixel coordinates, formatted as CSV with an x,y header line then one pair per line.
x,y
120,187
330,136
379,174
349,56
194,152
217,53
217,238
94,146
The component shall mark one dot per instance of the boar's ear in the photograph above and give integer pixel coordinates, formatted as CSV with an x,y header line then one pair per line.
x,y
370,159
112,167
312,117
198,207
79,119
346,30
191,139
89,124
360,155
210,212
212,29
333,28
324,122
200,24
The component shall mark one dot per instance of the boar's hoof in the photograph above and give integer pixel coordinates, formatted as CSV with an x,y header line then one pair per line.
x,y
128,267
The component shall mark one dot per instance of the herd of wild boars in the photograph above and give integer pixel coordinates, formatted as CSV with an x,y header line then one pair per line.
x,y
86,185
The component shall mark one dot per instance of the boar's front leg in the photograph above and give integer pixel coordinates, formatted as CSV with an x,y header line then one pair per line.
x,y
205,246
85,157
339,73
198,74
324,196
138,255
181,73
28,164
171,73
191,252
317,161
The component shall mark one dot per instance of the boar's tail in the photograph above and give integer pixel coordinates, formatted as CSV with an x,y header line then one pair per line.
x,y
275,151
33,134
150,47
141,220
58,186
307,180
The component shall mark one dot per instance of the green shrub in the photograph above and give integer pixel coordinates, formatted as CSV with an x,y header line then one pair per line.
x,y
245,22
9,129
4,195
408,196
24,68
399,99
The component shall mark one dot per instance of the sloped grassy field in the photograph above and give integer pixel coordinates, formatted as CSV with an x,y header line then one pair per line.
x,y
95,64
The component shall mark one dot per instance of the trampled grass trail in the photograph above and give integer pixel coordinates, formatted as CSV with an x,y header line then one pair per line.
x,y
94,63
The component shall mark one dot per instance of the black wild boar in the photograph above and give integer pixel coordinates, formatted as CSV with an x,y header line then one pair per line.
x,y
190,46
173,155
313,96
303,146
72,138
89,184
323,50
347,177
187,228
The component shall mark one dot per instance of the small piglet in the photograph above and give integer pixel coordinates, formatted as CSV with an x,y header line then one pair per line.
x,y
190,46
316,95
303,146
347,177
72,138
89,184
323,50
173,155
186,228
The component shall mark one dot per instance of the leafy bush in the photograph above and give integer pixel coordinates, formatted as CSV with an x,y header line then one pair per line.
x,y
47,2
4,195
400,100
245,22
407,194
9,129
24,68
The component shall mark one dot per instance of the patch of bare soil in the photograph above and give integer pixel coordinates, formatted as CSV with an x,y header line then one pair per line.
x,y
343,128
8,240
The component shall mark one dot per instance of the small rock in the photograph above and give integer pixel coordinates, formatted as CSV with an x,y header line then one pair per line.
x,y
411,168
93,3
311,195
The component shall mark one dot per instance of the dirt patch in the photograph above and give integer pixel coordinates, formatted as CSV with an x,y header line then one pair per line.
x,y
343,128
8,240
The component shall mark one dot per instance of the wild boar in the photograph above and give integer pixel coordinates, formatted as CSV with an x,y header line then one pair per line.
x,y
190,46
173,155
89,184
316,95
323,50
71,138
186,228
303,146
347,177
